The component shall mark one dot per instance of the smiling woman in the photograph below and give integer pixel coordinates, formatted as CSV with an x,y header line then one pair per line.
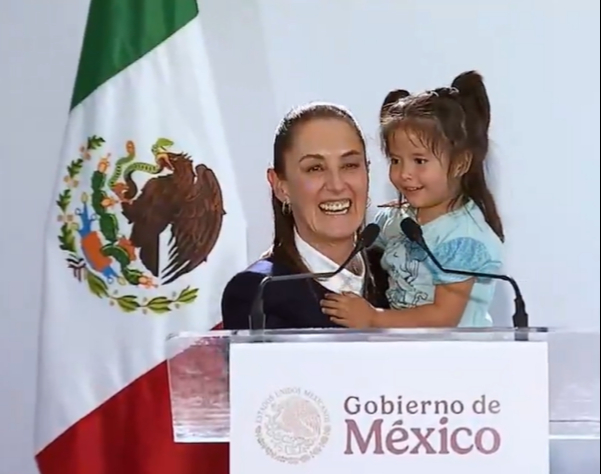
x,y
319,184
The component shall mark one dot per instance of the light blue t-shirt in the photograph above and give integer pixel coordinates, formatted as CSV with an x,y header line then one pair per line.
x,y
460,240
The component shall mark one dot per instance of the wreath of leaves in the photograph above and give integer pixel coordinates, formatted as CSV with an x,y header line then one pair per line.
x,y
127,303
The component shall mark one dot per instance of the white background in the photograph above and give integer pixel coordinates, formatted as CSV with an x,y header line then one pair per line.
x,y
335,371
541,63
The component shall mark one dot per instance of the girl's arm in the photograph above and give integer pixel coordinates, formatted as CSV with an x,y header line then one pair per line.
x,y
447,309
451,291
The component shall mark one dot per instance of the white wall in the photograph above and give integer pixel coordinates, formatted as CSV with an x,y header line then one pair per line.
x,y
541,62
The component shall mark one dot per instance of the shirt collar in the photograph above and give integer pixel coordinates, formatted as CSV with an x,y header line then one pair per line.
x,y
316,262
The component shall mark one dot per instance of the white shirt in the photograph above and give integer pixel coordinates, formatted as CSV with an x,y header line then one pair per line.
x,y
316,262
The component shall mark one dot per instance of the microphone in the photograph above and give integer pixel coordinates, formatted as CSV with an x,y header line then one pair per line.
x,y
257,316
414,233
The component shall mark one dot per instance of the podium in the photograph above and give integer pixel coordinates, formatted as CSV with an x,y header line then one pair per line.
x,y
389,401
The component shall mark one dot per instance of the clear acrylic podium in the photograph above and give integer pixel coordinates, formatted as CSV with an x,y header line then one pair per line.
x,y
199,381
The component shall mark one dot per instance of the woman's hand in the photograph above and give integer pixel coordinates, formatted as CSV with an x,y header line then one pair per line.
x,y
349,310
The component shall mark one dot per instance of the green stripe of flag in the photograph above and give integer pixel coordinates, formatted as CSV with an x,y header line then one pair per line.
x,y
119,32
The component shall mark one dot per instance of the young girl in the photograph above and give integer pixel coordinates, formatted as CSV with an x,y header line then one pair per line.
x,y
436,143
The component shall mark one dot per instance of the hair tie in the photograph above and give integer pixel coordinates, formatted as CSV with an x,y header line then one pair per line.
x,y
446,92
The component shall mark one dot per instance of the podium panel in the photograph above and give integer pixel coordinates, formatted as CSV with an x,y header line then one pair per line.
x,y
524,386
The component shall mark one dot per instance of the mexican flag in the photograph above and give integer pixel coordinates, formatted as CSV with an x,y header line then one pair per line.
x,y
145,229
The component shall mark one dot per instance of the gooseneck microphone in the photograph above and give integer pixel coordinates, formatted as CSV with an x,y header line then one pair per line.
x,y
414,233
257,318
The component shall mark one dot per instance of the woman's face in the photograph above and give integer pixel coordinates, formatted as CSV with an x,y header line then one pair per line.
x,y
326,181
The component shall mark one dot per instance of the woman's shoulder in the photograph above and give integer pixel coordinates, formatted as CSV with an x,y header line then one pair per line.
x,y
243,285
251,277
279,298
240,291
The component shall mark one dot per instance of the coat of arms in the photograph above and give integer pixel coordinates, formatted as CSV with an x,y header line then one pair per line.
x,y
111,227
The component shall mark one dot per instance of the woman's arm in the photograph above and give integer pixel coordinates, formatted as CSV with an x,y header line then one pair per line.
x,y
287,305
237,299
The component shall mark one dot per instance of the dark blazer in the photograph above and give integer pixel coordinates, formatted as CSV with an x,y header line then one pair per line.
x,y
289,304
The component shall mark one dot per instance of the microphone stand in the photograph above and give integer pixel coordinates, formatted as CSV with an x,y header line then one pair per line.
x,y
520,316
257,315
413,232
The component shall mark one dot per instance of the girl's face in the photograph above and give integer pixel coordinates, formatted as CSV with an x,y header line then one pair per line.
x,y
420,176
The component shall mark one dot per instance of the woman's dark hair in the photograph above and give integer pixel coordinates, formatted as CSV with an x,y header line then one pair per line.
x,y
284,248
452,120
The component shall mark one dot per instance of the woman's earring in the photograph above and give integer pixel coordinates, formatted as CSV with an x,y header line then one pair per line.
x,y
368,202
286,208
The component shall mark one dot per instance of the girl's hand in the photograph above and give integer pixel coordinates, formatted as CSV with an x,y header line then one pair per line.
x,y
349,310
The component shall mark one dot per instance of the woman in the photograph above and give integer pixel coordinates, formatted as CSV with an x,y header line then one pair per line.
x,y
319,184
